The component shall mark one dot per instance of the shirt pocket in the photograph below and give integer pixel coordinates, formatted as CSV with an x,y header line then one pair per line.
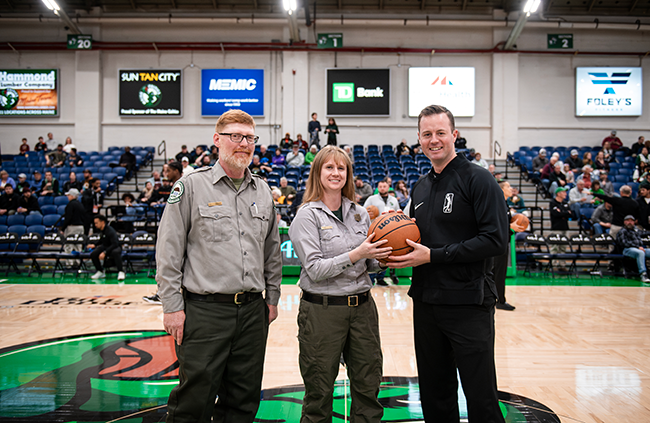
x,y
331,241
261,218
216,225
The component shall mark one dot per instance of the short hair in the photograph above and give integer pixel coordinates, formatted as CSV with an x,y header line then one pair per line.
x,y
234,116
625,189
100,217
93,180
183,146
283,179
75,150
437,110
60,145
385,180
312,115
178,166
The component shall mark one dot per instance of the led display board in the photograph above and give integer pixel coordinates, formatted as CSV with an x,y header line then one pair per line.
x,y
226,89
150,92
358,92
453,88
609,92
29,92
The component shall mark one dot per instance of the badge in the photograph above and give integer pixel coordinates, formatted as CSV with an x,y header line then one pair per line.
x,y
215,203
357,217
326,227
177,192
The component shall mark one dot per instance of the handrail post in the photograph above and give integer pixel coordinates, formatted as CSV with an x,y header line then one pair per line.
x,y
496,152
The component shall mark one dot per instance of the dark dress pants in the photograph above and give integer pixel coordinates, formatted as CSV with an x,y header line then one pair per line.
x,y
115,256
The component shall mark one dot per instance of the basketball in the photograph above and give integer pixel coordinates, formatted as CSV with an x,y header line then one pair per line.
x,y
373,212
396,227
521,220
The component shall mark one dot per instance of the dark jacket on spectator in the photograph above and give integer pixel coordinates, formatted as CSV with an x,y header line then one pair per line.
x,y
31,203
560,214
75,215
644,213
9,202
622,206
109,240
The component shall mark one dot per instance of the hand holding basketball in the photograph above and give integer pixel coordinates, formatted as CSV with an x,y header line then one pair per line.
x,y
370,250
519,222
420,255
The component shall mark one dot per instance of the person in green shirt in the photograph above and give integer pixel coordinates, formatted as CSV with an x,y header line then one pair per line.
x,y
309,157
331,130
596,189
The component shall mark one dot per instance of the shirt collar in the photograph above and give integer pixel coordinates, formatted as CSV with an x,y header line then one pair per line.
x,y
218,173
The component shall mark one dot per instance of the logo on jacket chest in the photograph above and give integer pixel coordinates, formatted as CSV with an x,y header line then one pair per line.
x,y
448,205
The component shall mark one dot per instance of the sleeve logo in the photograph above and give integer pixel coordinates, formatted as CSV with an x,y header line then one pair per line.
x,y
177,192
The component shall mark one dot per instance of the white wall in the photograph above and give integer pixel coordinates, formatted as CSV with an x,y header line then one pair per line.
x,y
521,99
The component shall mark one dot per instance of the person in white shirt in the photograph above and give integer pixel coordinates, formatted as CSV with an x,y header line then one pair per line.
x,y
295,158
480,161
383,200
187,169
579,196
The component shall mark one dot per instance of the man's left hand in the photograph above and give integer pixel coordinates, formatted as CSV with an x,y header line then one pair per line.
x,y
273,313
420,255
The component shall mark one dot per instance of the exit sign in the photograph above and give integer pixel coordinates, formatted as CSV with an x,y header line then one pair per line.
x,y
330,40
80,42
560,41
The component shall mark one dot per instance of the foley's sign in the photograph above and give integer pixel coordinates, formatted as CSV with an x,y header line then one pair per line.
x,y
147,93
609,91
358,92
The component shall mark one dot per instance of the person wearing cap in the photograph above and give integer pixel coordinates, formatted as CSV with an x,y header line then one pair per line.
x,y
8,201
613,140
22,183
622,206
295,158
629,239
560,211
574,161
28,203
644,205
75,219
540,161
187,169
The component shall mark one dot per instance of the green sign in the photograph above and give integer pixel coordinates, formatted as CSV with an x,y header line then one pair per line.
x,y
330,40
343,92
560,41
80,42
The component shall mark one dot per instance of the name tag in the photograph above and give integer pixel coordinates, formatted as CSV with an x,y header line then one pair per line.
x,y
215,203
326,227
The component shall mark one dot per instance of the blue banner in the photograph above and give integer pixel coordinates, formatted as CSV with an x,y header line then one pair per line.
x,y
226,89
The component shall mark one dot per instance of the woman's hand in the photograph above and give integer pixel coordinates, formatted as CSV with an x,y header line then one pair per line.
x,y
370,250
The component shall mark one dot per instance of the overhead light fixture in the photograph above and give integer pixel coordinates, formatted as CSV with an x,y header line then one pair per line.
x,y
54,7
531,6
289,5
51,4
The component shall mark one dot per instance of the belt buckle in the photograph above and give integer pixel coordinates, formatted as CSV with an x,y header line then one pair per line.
x,y
356,302
236,299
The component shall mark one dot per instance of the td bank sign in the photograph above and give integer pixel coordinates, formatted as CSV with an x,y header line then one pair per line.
x,y
344,92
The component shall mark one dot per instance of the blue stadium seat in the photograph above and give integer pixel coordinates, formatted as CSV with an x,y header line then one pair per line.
x,y
39,229
3,228
61,200
33,219
3,220
19,229
16,219
49,209
61,209
45,200
50,220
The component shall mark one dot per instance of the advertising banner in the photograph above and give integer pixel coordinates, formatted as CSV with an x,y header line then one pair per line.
x,y
453,88
150,93
358,92
609,92
29,92
227,89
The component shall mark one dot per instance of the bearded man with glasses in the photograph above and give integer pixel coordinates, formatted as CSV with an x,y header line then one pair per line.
x,y
218,250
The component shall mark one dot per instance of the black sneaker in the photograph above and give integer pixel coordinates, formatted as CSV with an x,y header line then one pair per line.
x,y
152,299
381,282
505,306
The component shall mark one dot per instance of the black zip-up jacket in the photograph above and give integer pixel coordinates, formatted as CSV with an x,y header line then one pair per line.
x,y
463,220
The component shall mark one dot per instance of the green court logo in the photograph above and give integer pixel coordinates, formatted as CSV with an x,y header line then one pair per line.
x,y
343,92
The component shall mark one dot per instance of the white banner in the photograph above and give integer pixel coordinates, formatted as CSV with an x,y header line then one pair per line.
x,y
453,88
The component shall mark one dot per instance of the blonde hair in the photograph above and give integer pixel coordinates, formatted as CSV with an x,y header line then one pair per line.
x,y
315,191
233,116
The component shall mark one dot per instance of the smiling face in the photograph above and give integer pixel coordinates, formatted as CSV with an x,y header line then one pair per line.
x,y
437,140
235,157
333,176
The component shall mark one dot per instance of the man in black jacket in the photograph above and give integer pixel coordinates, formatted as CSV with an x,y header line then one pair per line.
x,y
28,203
622,206
463,223
128,160
109,247
75,218
8,201
644,205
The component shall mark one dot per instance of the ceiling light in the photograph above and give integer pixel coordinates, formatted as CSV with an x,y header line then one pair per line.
x,y
51,4
290,5
531,6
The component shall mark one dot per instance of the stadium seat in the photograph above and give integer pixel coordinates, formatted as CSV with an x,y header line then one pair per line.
x,y
61,200
33,219
49,209
16,219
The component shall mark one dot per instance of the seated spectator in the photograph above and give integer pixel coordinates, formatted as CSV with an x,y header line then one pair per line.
x,y
287,191
587,176
402,193
613,140
187,169
5,180
540,161
348,151
557,178
605,184
637,146
608,152
580,196
644,205
22,183
415,150
546,171
57,157
38,180
194,155
568,174
492,168
49,186
621,206
278,198
24,147
601,220
40,145
362,190
257,168
574,162
586,159
629,239
265,153
93,198
478,160
160,195
402,148
146,194
286,142
74,160
156,180
88,177
301,143
68,145
133,211
28,203
460,143
383,200
278,158
642,161
295,158
8,201
281,222
600,163
184,153
128,161
309,157
515,202
596,189
198,160
72,183
214,154
205,161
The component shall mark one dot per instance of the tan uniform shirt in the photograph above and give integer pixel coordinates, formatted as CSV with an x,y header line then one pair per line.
x,y
215,239
322,242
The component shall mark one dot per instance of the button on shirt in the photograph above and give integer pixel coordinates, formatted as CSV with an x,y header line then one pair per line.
x,y
322,242
215,239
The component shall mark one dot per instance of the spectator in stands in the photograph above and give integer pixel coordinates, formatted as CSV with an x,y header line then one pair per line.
x,y
348,151
156,180
49,186
556,178
596,189
295,158
331,130
568,174
278,158
38,179
198,161
265,153
613,140
257,168
309,157
601,220
72,183
174,172
478,159
146,194
516,203
362,190
75,220
183,153
160,195
57,157
205,161
492,168
460,143
108,249
8,201
51,142
579,197
286,142
24,148
68,146
560,213
5,180
313,129
540,161
40,145
87,182
605,184
622,206
471,154
128,161
22,183
402,193
132,210
402,148
545,172
383,200
600,163
644,205
629,239
302,143
287,190
214,154
587,176
574,161
642,161
586,159
73,159
637,146
187,169
28,203
608,152
278,198
93,198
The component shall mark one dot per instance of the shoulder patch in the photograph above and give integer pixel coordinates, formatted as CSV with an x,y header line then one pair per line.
x,y
177,192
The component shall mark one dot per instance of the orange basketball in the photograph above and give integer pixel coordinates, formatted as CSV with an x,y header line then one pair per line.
x,y
373,212
521,220
396,227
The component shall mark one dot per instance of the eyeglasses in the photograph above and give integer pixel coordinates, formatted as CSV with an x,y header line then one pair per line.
x,y
251,139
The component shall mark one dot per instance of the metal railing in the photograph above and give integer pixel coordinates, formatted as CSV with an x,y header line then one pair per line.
x,y
162,152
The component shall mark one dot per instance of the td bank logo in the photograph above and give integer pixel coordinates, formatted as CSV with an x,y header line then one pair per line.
x,y
344,92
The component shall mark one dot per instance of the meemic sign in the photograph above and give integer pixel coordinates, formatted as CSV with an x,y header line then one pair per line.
x,y
609,92
358,92
453,88
227,89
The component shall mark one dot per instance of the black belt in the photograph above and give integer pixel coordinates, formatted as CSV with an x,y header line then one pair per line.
x,y
238,298
348,300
